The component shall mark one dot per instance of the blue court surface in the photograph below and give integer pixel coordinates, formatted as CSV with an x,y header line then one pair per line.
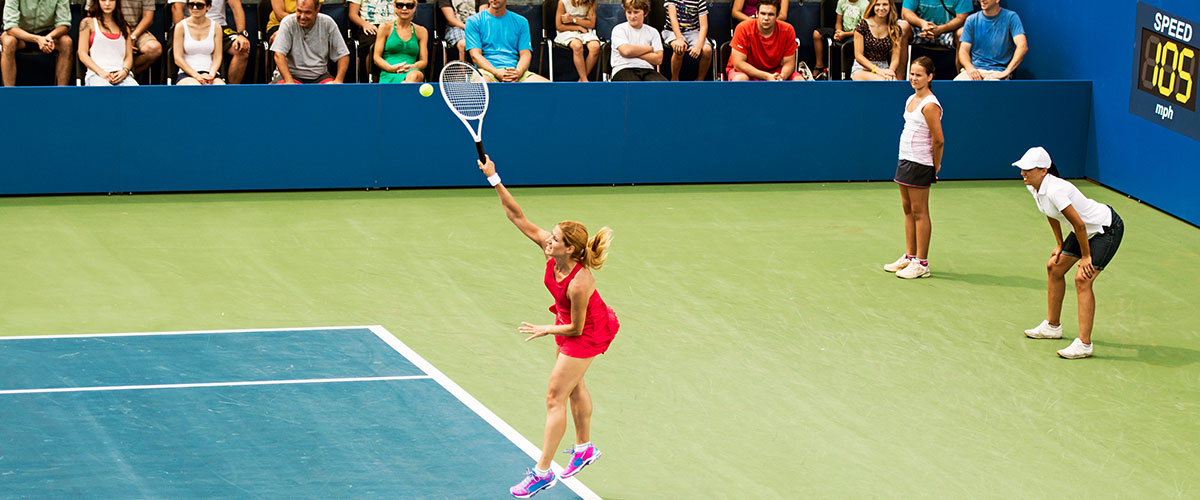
x,y
306,413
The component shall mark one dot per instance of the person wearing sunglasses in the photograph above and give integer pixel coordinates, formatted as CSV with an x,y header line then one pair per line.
x,y
196,50
235,40
304,45
401,46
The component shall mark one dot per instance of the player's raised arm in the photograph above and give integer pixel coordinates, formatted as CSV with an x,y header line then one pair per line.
x,y
511,209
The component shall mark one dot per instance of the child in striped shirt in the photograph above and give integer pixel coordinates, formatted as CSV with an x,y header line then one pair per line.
x,y
687,32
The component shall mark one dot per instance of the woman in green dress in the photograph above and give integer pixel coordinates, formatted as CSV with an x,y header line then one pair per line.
x,y
401,46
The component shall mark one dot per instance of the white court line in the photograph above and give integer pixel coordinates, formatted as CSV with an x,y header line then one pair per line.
x,y
185,332
212,384
462,395
507,430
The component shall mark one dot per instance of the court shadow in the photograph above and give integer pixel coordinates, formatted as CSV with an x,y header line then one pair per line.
x,y
991,279
1157,355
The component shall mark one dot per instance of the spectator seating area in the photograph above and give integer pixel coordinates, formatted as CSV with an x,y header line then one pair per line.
x,y
552,62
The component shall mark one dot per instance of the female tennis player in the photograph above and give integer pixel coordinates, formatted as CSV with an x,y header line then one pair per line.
x,y
1096,234
583,327
921,145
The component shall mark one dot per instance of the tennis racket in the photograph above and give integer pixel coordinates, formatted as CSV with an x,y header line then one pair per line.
x,y
466,94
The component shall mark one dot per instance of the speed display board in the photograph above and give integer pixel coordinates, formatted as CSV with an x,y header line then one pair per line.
x,y
1166,70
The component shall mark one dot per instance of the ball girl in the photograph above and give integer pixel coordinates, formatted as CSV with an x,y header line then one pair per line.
x,y
921,145
1096,232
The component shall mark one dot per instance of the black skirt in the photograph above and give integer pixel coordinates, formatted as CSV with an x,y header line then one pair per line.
x,y
913,174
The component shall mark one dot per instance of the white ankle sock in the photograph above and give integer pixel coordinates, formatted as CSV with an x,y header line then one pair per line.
x,y
581,447
540,472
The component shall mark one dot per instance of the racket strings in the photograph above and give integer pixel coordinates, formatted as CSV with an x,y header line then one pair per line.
x,y
468,99
464,89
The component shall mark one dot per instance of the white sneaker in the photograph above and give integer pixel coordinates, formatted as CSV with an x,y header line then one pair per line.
x,y
914,269
1044,331
1076,350
898,265
805,73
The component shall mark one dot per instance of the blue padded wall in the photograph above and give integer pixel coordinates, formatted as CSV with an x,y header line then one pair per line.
x,y
308,136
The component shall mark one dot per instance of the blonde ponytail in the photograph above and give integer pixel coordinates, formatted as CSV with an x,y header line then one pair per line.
x,y
590,252
597,248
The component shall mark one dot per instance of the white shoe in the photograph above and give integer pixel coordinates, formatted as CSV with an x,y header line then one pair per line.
x,y
1076,350
898,265
1044,331
914,269
805,73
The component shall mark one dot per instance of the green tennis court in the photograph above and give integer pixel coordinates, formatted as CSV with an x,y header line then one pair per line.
x,y
763,352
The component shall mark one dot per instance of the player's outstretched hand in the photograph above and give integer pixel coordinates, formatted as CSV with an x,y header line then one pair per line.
x,y
488,168
532,330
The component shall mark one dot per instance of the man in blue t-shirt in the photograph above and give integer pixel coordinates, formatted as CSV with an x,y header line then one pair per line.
x,y
993,43
934,22
498,41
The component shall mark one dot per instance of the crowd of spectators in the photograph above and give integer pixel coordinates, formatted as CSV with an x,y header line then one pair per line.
x,y
306,46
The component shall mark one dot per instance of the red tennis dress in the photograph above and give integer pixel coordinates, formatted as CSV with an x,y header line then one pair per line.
x,y
598,329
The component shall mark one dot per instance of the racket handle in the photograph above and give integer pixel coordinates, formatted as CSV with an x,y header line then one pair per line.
x,y
479,149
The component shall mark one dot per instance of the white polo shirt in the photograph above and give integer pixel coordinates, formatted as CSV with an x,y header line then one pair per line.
x,y
1057,194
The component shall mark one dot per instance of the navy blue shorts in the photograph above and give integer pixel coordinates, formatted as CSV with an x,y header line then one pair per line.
x,y
1103,245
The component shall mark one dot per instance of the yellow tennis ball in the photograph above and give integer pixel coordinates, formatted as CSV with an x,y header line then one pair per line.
x,y
426,89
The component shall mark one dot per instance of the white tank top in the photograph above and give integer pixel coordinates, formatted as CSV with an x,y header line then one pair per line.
x,y
197,53
109,54
916,144
576,11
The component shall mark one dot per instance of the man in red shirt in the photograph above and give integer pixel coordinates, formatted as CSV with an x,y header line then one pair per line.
x,y
763,48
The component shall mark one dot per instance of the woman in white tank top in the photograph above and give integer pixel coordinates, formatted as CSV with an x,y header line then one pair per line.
x,y
104,46
921,145
197,50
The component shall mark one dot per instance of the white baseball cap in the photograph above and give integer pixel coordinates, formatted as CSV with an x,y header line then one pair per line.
x,y
1036,157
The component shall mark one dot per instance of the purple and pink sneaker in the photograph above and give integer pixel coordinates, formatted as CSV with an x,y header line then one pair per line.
x,y
533,483
580,459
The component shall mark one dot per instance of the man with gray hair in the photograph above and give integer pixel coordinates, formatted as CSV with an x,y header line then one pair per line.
x,y
303,44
